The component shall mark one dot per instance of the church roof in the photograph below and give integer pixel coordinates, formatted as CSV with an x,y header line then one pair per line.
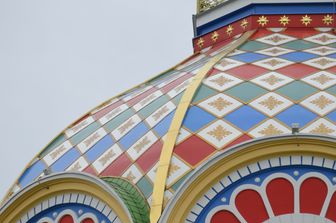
x,y
261,85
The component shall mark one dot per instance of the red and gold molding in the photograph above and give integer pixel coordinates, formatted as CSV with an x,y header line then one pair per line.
x,y
263,21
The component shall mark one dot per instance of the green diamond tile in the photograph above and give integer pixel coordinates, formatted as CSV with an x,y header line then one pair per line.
x,y
296,90
56,142
246,91
332,45
114,123
253,46
145,186
299,45
155,105
332,90
84,133
176,100
180,182
202,93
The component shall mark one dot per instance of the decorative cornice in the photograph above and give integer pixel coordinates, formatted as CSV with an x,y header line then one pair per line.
x,y
264,21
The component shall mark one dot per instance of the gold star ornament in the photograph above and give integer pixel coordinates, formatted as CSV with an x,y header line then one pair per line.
x,y
229,30
200,42
263,20
244,23
328,20
306,20
284,20
214,36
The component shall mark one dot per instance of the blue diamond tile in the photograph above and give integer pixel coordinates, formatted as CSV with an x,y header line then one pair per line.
x,y
332,116
134,135
32,173
245,117
162,127
66,160
298,56
332,56
296,114
249,57
99,148
196,118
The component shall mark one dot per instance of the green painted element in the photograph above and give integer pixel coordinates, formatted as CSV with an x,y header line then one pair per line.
x,y
132,198
332,90
117,121
246,91
145,186
177,185
165,76
296,91
332,45
203,92
154,106
178,98
56,142
299,45
253,46
83,134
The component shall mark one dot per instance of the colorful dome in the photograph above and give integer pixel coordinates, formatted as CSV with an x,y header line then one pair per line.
x,y
255,77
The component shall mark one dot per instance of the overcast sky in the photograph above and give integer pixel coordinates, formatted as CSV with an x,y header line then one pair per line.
x,y
61,58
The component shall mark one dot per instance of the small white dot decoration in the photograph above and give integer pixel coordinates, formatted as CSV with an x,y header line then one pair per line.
x,y
55,214
296,173
80,211
257,180
223,199
334,179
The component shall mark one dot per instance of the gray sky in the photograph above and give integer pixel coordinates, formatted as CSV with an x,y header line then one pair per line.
x,y
59,59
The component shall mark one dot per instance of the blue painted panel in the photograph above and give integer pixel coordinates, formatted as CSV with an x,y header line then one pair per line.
x,y
265,9
134,135
296,114
162,127
245,117
196,118
332,116
298,56
332,56
99,148
66,160
32,173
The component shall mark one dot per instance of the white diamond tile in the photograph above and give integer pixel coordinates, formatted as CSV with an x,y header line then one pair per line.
x,y
227,64
322,39
269,128
272,80
222,81
219,134
271,103
321,80
321,62
220,104
321,103
274,51
107,158
273,63
322,50
320,127
276,39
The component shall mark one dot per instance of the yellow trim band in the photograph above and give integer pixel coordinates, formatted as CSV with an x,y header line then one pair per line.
x,y
38,193
169,143
243,157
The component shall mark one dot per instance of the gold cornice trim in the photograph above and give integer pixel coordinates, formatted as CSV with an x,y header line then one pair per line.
x,y
169,142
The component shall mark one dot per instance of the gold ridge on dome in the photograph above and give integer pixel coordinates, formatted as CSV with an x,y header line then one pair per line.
x,y
204,5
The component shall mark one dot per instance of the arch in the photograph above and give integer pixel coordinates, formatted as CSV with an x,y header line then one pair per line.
x,y
237,157
60,184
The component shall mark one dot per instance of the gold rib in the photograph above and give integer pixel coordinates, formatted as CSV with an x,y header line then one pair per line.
x,y
169,143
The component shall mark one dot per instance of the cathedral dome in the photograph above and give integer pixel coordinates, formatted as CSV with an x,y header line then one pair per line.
x,y
252,76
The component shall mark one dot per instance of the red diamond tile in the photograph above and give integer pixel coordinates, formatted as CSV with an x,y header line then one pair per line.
x,y
118,167
219,46
247,71
241,139
332,70
194,150
300,33
297,71
90,170
175,83
147,160
214,72
261,33
138,98
106,110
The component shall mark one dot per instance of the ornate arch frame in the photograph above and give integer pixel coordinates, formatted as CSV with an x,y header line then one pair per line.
x,y
62,183
241,155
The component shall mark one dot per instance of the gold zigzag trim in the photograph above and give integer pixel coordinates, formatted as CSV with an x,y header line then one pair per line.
x,y
169,143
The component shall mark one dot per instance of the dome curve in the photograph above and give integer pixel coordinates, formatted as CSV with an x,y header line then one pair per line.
x,y
250,93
